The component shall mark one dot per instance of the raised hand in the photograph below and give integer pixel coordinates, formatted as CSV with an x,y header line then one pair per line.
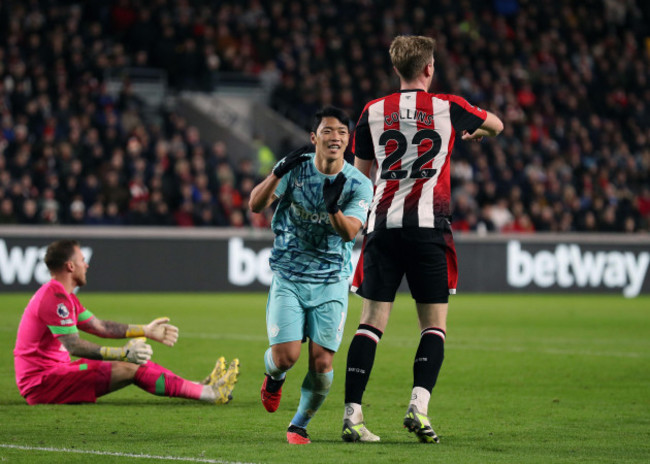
x,y
137,351
160,331
292,160
332,192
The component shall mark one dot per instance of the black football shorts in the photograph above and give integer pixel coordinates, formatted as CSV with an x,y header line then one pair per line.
x,y
426,256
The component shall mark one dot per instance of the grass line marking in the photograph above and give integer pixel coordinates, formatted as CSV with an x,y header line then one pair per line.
x,y
401,341
521,349
118,454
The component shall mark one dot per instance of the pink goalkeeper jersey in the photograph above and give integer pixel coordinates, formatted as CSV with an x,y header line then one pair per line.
x,y
50,313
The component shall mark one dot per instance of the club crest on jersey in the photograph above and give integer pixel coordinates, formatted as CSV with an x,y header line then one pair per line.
x,y
62,311
364,204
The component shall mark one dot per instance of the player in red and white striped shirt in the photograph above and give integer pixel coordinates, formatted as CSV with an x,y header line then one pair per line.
x,y
403,143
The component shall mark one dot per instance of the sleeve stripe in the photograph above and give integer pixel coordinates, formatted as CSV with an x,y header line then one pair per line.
x,y
83,317
62,330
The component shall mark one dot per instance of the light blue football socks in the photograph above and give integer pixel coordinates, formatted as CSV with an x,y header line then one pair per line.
x,y
313,392
271,368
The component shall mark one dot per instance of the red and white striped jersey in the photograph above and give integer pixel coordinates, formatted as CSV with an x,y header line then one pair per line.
x,y
410,136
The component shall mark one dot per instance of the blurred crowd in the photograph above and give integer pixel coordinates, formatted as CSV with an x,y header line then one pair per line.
x,y
71,153
569,79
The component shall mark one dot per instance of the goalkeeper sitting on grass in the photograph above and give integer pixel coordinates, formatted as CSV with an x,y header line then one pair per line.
x,y
48,335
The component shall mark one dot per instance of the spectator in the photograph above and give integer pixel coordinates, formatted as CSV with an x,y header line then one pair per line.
x,y
95,215
77,212
538,74
112,215
7,215
29,213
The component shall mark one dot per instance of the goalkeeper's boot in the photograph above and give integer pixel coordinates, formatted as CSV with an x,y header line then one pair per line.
x,y
218,372
297,435
271,393
224,385
357,432
232,373
420,425
222,391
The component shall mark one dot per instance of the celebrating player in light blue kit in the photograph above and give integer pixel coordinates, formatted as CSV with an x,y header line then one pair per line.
x,y
323,205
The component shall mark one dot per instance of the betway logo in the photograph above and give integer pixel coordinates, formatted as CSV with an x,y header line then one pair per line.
x,y
245,265
21,265
570,266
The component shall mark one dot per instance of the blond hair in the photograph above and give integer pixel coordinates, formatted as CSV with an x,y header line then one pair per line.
x,y
410,54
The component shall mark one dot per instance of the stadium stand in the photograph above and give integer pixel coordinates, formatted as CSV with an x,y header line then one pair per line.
x,y
569,79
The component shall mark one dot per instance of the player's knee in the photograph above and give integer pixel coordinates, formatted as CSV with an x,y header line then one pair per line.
x,y
322,361
322,365
286,360
123,371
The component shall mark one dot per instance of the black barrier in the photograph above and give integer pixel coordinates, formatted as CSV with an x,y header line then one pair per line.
x,y
157,260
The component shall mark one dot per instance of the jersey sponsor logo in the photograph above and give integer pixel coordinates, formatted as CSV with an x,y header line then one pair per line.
x,y
66,321
62,310
316,218
569,266
24,265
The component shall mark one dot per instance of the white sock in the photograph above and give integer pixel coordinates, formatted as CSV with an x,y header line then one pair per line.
x,y
420,398
207,394
353,413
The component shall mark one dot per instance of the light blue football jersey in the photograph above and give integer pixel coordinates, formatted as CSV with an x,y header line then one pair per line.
x,y
306,247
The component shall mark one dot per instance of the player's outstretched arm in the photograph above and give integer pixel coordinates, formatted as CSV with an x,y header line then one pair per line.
x,y
135,351
160,331
104,329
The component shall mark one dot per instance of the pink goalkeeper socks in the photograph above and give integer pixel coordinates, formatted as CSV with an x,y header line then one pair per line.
x,y
159,381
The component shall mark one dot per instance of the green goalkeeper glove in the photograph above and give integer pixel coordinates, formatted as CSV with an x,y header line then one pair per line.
x,y
136,351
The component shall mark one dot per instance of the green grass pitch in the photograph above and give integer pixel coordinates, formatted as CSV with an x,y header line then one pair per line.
x,y
526,379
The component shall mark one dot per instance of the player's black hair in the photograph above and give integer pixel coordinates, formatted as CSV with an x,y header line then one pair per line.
x,y
58,253
330,112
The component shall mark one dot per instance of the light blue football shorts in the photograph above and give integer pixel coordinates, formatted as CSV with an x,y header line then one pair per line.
x,y
297,310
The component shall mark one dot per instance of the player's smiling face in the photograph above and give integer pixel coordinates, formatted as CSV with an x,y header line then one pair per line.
x,y
331,138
